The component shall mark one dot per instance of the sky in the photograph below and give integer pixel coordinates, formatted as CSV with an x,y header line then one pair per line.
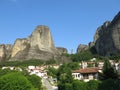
x,y
71,22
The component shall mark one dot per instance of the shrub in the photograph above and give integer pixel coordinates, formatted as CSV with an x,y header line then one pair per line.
x,y
14,81
35,81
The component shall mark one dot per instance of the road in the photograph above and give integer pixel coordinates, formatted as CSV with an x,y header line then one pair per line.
x,y
48,85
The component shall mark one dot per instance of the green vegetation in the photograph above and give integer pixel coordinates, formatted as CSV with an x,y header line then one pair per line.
x,y
110,84
79,85
15,80
25,63
89,54
51,61
93,85
22,63
83,56
115,57
64,77
52,72
109,79
73,65
35,81
108,71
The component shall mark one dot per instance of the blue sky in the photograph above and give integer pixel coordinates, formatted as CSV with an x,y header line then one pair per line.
x,y
72,22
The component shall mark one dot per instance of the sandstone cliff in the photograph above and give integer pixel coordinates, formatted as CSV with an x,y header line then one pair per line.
x,y
107,37
39,45
5,51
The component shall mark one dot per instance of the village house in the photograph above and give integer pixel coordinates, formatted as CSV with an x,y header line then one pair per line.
x,y
86,74
55,66
12,68
37,71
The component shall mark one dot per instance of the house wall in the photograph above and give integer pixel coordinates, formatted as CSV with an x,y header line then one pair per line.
x,y
85,77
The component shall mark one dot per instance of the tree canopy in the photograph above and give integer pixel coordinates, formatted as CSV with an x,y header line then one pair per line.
x,y
14,81
108,71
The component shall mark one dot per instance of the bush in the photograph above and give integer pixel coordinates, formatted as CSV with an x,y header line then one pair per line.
x,y
110,84
68,86
35,81
73,65
93,85
14,81
52,72
79,85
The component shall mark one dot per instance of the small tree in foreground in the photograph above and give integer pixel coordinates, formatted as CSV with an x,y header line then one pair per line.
x,y
108,71
14,81
35,81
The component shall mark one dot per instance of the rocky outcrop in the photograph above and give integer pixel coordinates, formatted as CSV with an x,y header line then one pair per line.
x,y
8,50
39,45
2,52
20,49
62,50
5,51
42,38
107,37
91,44
101,30
82,48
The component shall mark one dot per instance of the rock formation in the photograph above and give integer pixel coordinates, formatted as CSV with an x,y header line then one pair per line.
x,y
82,48
2,52
5,51
62,50
91,44
39,45
42,38
20,49
107,37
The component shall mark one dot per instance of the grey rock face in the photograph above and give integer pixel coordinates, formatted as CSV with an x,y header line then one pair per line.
x,y
39,45
8,50
101,30
107,37
62,50
91,44
42,38
20,49
82,48
2,52
5,51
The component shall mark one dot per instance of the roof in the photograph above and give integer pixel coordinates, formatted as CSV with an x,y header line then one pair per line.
x,y
86,70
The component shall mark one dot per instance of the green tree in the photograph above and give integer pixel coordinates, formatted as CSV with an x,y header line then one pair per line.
x,y
64,77
35,81
79,85
68,86
4,71
93,85
73,65
108,71
64,74
110,84
14,81
83,56
52,72
115,57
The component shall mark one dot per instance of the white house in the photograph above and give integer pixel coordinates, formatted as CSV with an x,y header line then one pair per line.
x,y
86,74
37,71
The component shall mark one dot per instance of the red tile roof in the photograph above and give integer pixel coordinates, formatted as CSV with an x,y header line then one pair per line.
x,y
86,70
